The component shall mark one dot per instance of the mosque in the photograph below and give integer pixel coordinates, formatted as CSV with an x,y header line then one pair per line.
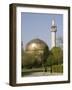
x,y
39,47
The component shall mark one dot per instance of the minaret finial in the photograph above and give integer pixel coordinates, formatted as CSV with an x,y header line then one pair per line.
x,y
53,22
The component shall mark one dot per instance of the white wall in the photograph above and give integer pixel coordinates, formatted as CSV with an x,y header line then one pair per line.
x,y
4,45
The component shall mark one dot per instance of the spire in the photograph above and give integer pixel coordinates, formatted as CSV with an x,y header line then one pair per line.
x,y
53,22
53,26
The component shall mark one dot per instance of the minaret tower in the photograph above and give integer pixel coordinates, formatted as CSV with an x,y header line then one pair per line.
x,y
53,34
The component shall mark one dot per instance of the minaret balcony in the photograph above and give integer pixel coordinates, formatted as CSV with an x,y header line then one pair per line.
x,y
53,28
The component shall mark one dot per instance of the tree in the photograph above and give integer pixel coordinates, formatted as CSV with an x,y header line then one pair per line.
x,y
57,54
50,61
44,57
55,57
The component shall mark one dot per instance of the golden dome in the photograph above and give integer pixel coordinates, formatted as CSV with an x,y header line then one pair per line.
x,y
35,44
36,51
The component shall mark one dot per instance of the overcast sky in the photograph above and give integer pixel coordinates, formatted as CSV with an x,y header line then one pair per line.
x,y
38,25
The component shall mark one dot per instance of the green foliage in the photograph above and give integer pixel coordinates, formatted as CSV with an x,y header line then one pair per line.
x,y
57,54
46,53
55,57
50,60
57,68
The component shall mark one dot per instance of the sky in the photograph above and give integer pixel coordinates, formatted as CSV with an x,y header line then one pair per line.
x,y
38,26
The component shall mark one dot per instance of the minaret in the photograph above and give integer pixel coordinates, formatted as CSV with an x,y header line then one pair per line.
x,y
53,34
